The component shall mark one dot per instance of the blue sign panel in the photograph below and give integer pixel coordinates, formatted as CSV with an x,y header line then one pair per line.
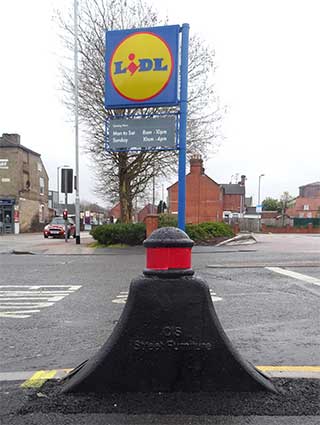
x,y
142,67
7,201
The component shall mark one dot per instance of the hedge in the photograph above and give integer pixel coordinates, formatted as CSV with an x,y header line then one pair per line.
x,y
135,233
129,234
199,232
206,231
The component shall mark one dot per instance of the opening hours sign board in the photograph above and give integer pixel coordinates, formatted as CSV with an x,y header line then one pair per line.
x,y
145,133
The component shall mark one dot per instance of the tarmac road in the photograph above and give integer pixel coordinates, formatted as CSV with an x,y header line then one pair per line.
x,y
266,296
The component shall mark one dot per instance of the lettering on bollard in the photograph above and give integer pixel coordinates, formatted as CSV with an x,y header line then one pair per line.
x,y
170,344
171,331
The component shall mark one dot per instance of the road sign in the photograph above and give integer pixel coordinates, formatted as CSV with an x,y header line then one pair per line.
x,y
141,72
131,133
142,67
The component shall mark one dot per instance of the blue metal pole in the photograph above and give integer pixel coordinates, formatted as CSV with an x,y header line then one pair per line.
x,y
183,127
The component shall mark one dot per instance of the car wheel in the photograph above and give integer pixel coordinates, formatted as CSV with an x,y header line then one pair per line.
x,y
45,236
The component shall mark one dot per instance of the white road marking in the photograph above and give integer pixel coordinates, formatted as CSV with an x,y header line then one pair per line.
x,y
295,275
20,301
122,297
19,314
33,298
4,294
32,287
24,305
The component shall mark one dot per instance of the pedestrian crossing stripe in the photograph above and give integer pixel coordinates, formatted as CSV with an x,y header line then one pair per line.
x,y
123,296
21,301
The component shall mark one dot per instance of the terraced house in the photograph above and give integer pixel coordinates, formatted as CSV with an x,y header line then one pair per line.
x,y
207,200
23,187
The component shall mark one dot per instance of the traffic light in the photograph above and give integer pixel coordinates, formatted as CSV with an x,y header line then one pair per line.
x,y
65,214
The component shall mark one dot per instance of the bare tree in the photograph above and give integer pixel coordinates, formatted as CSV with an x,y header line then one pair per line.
x,y
286,201
125,175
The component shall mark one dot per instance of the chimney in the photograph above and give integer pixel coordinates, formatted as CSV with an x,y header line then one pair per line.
x,y
243,180
196,165
13,139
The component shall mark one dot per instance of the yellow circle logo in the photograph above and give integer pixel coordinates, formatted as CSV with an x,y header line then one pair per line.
x,y
141,66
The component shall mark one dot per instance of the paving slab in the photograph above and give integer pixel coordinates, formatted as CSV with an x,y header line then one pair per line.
x,y
102,419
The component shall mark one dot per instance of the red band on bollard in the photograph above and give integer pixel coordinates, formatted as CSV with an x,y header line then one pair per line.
x,y
168,258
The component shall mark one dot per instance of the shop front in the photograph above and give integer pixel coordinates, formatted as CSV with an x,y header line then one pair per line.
x,y
7,214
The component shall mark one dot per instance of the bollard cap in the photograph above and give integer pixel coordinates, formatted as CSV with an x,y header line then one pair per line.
x,y
168,237
168,253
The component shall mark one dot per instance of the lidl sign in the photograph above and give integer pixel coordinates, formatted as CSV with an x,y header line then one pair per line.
x,y
142,67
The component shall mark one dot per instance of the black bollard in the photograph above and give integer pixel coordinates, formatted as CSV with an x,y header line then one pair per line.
x,y
169,337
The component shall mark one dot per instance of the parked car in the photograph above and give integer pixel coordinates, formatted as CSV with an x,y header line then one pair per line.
x,y
57,226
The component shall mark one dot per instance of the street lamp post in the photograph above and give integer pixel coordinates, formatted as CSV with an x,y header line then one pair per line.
x,y
261,175
76,119
259,206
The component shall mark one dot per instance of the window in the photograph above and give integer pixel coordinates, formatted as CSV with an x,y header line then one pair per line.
x,y
25,156
26,181
39,166
41,214
306,207
41,182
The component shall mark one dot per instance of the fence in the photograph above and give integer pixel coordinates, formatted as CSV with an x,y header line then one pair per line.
x,y
273,225
304,222
290,229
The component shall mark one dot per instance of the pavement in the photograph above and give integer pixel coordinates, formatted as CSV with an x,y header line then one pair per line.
x,y
35,243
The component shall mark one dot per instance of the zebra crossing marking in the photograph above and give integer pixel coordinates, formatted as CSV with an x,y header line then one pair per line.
x,y
21,301
122,297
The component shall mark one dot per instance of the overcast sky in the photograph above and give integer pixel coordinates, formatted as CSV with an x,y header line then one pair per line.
x,y
268,58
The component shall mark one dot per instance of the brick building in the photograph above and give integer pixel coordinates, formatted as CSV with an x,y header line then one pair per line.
x,y
307,204
206,200
234,196
23,187
146,210
204,197
115,212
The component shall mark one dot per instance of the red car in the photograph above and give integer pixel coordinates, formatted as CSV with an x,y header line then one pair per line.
x,y
57,226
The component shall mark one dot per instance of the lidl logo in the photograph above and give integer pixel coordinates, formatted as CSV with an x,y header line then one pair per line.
x,y
141,67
